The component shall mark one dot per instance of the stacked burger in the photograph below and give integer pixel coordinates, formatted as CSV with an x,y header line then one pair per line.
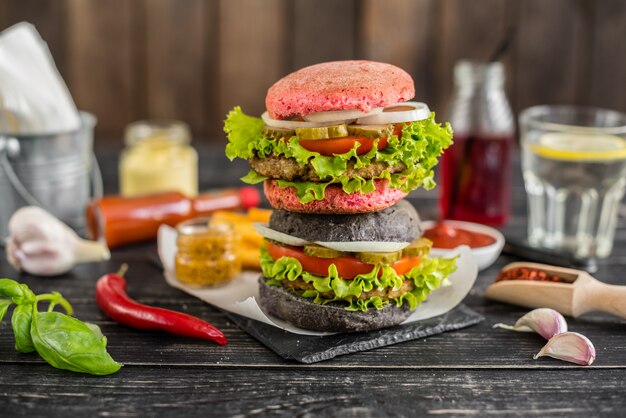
x,y
338,149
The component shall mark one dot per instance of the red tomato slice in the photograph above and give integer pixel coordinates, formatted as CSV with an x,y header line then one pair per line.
x,y
329,147
347,267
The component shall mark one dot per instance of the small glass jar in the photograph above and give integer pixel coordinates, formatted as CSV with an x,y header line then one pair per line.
x,y
206,252
158,158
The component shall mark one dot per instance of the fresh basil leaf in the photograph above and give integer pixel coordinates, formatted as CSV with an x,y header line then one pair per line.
x,y
70,344
97,332
4,306
18,292
21,322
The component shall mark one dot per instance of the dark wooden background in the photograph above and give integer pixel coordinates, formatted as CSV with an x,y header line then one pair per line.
x,y
193,60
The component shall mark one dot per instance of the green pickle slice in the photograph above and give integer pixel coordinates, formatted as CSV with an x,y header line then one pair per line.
x,y
382,258
418,248
325,132
370,131
276,133
322,252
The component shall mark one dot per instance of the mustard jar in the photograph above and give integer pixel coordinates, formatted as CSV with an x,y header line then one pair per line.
x,y
206,252
157,158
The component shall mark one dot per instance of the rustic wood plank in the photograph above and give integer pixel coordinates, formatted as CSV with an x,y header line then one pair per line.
x,y
478,347
176,46
322,30
550,53
403,33
466,32
609,55
101,62
3,14
252,52
200,391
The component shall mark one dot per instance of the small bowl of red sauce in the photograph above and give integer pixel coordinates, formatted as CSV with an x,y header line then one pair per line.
x,y
485,242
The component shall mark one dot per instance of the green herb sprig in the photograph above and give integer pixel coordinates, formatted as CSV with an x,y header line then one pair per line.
x,y
60,339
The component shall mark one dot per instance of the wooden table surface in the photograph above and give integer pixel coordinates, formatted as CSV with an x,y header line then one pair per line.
x,y
478,371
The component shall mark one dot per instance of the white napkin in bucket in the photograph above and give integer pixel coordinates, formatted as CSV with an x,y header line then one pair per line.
x,y
240,295
33,97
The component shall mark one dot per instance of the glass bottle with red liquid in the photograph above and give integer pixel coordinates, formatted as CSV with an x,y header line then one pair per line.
x,y
476,170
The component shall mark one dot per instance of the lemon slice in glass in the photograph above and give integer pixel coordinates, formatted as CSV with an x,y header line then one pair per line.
x,y
580,147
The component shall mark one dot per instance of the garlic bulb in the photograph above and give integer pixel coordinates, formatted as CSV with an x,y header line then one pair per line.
x,y
544,321
41,244
569,346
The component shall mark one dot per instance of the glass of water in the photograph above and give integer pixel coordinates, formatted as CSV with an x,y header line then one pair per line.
x,y
574,165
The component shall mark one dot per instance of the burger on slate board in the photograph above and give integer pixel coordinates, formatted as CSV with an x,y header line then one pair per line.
x,y
338,149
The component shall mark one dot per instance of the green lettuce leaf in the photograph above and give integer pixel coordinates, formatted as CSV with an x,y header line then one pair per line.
x,y
419,148
253,177
426,277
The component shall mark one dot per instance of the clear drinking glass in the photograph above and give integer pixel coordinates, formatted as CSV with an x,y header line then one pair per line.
x,y
574,166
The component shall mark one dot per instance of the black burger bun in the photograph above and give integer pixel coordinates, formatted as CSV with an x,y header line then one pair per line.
x,y
332,317
397,223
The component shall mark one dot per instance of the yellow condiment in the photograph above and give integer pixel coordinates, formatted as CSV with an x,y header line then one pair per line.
x,y
206,252
158,158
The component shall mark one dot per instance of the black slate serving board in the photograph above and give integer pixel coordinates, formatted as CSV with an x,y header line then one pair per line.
x,y
312,349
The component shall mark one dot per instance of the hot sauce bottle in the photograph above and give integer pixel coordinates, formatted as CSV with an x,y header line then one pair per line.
x,y
476,170
119,220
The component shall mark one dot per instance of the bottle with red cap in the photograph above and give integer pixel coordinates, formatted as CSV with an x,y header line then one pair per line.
x,y
119,220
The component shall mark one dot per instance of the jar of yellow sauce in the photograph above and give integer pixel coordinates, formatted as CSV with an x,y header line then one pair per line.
x,y
158,157
206,252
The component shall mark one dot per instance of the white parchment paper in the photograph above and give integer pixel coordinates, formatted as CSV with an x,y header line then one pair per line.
x,y
240,295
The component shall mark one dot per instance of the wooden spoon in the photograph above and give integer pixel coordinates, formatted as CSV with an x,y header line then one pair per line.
x,y
580,293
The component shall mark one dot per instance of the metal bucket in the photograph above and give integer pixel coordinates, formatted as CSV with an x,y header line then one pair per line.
x,y
57,172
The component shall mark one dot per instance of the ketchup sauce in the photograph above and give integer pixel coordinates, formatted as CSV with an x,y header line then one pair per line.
x,y
448,237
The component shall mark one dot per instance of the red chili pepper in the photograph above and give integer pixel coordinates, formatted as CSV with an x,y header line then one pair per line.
x,y
111,297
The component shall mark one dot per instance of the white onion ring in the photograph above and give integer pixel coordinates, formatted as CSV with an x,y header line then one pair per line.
x,y
293,124
420,111
335,115
365,246
267,232
350,246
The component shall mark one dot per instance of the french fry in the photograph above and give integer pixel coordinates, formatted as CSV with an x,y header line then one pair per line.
x,y
249,257
249,241
253,240
234,217
259,215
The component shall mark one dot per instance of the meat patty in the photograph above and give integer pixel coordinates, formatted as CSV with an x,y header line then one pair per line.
x,y
288,169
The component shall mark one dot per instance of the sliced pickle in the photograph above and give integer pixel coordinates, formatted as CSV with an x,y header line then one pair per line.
x,y
383,258
276,133
370,131
325,132
418,248
322,252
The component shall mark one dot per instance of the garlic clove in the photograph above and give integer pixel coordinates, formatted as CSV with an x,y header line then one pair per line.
x,y
41,244
86,251
544,321
569,346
